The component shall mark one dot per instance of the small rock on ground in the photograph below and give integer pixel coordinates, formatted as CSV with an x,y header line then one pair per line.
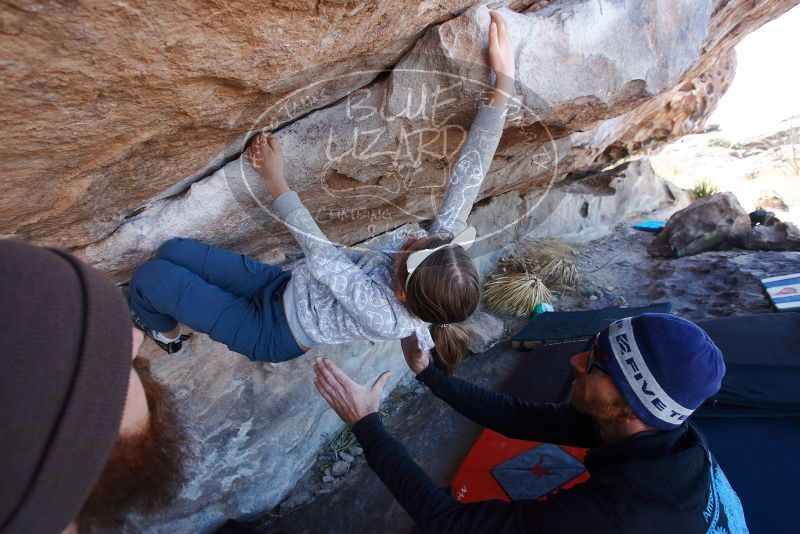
x,y
340,468
294,500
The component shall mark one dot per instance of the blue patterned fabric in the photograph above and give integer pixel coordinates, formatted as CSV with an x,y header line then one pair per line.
x,y
724,513
537,472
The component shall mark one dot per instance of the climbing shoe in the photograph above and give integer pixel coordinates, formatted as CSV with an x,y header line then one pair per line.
x,y
170,347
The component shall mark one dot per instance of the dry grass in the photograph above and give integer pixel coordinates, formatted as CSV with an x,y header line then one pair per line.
x,y
561,273
720,143
523,281
771,202
544,251
515,294
344,438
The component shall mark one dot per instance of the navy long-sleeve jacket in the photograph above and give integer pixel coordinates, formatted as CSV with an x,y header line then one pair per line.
x,y
653,482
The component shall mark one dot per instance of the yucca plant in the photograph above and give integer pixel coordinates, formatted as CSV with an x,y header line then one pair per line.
x,y
543,253
515,294
523,281
549,261
561,273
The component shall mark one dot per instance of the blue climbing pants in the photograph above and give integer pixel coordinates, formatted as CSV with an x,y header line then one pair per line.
x,y
231,297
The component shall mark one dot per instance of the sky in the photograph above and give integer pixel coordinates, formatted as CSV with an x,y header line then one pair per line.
x,y
766,88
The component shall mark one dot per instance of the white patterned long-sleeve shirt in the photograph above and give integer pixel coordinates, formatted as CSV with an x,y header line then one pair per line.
x,y
333,297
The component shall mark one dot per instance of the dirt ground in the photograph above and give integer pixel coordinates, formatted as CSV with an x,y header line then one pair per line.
x,y
713,284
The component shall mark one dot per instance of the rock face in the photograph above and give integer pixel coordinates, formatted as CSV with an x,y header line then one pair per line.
x,y
675,113
776,236
257,426
124,123
379,157
110,107
710,223
139,104
484,331
578,210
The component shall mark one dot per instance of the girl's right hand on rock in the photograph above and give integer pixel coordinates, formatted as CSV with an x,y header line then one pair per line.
x,y
265,156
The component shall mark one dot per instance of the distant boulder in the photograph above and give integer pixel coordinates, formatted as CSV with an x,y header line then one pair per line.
x,y
777,236
710,223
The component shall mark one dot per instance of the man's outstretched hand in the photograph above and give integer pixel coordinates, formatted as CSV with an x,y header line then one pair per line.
x,y
352,402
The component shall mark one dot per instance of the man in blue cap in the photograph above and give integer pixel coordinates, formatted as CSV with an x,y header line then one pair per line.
x,y
634,389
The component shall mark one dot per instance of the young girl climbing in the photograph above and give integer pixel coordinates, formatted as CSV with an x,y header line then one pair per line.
x,y
424,285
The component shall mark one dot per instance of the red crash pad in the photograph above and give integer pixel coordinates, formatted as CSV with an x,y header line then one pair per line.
x,y
507,469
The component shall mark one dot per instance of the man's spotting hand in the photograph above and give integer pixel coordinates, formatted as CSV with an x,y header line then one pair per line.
x,y
416,358
352,402
266,156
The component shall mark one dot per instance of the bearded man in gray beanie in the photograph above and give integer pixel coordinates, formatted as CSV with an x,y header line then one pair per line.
x,y
86,435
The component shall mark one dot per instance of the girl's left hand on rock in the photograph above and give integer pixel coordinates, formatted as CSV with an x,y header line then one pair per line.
x,y
501,52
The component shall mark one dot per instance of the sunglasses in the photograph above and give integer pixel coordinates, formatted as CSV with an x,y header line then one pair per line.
x,y
591,362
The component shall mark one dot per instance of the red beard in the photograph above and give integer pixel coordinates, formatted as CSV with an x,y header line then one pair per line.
x,y
145,471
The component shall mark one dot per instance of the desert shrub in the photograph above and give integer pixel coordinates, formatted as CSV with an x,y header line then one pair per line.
x,y
771,201
525,280
704,188
515,294
720,142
